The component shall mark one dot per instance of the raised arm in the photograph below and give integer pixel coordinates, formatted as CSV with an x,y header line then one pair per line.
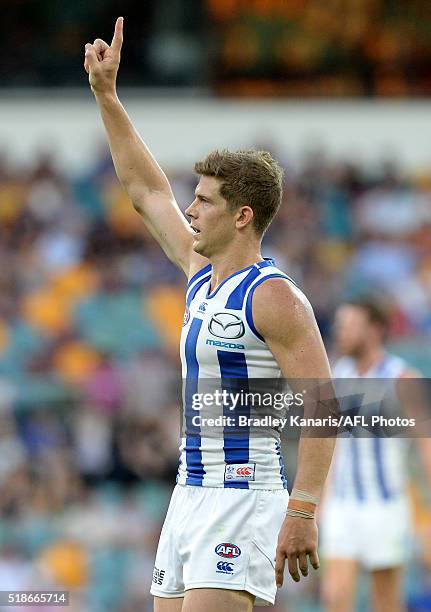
x,y
291,333
137,170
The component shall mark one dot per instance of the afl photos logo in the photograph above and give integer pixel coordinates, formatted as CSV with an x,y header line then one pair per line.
x,y
226,325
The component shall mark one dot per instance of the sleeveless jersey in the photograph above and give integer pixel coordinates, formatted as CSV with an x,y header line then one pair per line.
x,y
220,342
371,468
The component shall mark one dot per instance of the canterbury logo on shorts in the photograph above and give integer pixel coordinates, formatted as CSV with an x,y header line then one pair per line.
x,y
223,567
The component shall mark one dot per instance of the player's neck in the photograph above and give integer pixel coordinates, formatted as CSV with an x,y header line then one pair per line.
x,y
231,261
369,359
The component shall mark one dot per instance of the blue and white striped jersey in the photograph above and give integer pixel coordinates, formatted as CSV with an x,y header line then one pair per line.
x,y
367,469
219,342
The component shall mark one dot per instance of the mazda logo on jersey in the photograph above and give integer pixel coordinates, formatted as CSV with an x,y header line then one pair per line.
x,y
226,325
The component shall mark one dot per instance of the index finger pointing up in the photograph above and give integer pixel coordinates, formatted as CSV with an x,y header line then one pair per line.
x,y
117,39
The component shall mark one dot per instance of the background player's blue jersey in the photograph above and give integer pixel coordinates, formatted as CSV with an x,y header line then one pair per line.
x,y
371,468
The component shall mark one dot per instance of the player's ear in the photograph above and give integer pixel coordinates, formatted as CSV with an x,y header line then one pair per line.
x,y
244,216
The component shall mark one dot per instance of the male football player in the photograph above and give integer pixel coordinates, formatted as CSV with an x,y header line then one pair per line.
x,y
244,319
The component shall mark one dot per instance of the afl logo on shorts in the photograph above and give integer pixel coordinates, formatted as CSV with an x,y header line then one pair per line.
x,y
186,317
227,550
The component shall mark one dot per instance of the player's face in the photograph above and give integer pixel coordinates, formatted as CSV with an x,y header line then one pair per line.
x,y
351,329
210,218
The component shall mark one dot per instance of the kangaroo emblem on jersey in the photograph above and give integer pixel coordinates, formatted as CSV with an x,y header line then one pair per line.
x,y
186,317
226,325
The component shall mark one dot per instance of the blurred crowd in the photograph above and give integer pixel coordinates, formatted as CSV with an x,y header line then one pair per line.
x,y
90,315
303,48
245,47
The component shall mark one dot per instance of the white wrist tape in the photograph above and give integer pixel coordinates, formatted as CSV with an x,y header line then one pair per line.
x,y
304,496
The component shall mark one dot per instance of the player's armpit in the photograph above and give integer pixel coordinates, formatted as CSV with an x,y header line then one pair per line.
x,y
168,226
166,223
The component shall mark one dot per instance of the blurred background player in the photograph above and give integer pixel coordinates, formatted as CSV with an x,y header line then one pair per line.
x,y
366,518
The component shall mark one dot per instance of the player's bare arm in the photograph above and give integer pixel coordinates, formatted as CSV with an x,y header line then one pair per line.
x,y
291,333
137,170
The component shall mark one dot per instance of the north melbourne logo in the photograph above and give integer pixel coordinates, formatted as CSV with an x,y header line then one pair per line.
x,y
186,317
226,325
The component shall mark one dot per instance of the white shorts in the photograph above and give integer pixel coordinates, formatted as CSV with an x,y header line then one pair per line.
x,y
222,539
377,534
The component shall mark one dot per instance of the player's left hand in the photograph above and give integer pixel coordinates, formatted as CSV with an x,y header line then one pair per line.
x,y
297,542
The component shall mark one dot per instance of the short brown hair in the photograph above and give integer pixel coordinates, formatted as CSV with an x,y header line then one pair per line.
x,y
248,177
